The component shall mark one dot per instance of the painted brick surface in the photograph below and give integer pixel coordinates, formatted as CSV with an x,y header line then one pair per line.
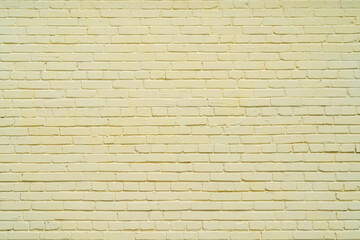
x,y
180,119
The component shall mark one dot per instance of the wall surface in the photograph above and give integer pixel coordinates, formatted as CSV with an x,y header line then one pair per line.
x,y
180,120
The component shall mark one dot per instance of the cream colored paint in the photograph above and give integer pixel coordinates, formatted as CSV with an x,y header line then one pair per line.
x,y
179,119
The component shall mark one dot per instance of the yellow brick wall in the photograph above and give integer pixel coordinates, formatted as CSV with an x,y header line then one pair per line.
x,y
180,119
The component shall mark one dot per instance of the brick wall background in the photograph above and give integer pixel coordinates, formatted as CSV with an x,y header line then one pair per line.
x,y
180,119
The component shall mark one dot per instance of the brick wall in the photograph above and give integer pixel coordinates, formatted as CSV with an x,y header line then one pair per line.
x,y
179,119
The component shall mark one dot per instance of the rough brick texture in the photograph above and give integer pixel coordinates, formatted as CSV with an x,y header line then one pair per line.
x,y
180,119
